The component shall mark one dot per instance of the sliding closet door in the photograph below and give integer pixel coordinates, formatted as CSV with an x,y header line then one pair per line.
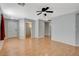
x,y
12,29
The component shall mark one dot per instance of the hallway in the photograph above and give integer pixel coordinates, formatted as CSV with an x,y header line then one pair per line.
x,y
35,47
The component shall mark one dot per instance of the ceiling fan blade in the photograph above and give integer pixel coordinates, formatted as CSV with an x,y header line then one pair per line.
x,y
39,13
46,8
49,11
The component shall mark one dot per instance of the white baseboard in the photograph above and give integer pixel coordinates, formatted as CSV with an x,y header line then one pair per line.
x,y
77,45
1,43
65,42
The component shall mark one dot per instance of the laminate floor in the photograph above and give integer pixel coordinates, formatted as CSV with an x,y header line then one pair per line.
x,y
37,47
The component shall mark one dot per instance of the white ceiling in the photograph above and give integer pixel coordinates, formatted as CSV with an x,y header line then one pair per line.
x,y
14,10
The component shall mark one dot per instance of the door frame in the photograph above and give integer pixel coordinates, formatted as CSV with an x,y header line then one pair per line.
x,y
49,35
30,29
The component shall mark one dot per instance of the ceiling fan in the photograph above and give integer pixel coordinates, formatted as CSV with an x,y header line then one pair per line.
x,y
44,10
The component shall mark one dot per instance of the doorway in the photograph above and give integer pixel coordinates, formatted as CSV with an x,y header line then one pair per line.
x,y
28,29
47,30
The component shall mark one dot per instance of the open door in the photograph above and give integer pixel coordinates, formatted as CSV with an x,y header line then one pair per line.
x,y
28,29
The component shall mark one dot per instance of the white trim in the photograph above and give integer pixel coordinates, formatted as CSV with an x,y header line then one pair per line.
x,y
64,42
77,45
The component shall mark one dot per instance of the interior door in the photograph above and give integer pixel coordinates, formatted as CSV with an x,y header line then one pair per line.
x,y
47,29
28,30
12,29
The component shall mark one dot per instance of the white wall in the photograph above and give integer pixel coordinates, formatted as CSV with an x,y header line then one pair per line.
x,y
41,28
63,28
21,29
77,29
11,28
36,28
6,28
0,20
33,29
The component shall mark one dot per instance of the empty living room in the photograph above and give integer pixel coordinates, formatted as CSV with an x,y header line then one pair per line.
x,y
39,29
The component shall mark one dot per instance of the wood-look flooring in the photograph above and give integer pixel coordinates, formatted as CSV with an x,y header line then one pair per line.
x,y
37,47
